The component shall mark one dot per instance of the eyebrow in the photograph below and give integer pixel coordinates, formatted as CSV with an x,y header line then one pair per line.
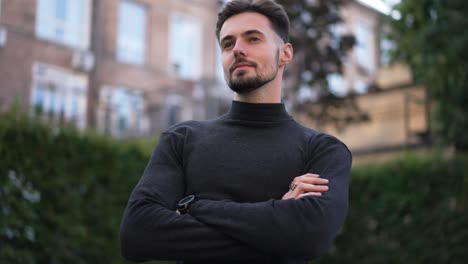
x,y
246,33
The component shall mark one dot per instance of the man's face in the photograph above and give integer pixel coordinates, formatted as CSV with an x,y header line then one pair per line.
x,y
250,51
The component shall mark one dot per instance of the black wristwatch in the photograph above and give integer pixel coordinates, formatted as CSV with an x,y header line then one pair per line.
x,y
185,203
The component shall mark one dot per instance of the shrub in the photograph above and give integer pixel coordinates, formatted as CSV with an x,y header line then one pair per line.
x,y
62,196
412,210
62,193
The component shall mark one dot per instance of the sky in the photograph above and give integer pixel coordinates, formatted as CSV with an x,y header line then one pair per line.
x,y
383,6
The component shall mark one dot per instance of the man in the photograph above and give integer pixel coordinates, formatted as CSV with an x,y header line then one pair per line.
x,y
252,186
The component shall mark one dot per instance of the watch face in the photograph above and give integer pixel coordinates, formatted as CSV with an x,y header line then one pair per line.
x,y
186,200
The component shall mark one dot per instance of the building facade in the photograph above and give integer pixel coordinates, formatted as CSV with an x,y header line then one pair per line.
x,y
397,109
134,67
124,67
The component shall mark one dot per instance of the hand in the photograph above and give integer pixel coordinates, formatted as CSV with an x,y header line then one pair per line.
x,y
305,185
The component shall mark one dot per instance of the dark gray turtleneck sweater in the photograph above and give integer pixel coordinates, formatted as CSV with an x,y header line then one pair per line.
x,y
239,165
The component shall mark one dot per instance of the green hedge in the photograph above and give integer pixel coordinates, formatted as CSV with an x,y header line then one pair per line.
x,y
62,195
411,210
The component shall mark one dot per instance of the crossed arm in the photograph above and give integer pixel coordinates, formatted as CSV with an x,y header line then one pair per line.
x,y
151,229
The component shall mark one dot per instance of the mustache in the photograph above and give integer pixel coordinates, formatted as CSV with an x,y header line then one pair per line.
x,y
243,61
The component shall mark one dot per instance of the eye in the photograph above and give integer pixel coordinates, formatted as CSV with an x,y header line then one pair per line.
x,y
226,45
254,39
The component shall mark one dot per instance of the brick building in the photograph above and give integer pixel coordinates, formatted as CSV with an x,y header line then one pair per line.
x,y
134,67
126,67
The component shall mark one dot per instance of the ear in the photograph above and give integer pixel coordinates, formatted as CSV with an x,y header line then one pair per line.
x,y
286,54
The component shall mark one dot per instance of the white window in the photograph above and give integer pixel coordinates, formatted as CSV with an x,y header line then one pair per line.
x,y
185,46
59,93
131,36
64,21
121,112
386,47
365,46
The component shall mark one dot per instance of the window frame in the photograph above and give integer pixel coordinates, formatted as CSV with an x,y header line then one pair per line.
x,y
60,88
111,111
45,31
123,52
195,67
365,46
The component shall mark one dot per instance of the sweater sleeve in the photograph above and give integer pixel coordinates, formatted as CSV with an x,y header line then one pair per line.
x,y
151,229
303,228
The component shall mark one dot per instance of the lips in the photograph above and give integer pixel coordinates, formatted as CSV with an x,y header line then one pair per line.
x,y
242,64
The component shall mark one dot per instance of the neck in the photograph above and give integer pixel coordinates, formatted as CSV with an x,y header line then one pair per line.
x,y
268,93
257,112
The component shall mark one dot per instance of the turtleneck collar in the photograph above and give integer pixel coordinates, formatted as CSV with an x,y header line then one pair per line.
x,y
264,112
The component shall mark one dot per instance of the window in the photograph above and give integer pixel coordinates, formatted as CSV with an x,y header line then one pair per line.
x,y
121,112
185,46
131,36
64,21
58,93
173,115
386,47
364,49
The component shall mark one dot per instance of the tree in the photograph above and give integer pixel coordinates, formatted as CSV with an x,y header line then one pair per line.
x,y
430,37
319,52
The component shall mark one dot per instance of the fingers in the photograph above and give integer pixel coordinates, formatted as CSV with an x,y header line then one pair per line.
x,y
306,185
311,178
308,194
304,188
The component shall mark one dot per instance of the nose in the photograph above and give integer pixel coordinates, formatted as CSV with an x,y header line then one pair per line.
x,y
239,49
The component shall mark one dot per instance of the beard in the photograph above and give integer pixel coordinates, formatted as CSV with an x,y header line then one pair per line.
x,y
247,85
243,85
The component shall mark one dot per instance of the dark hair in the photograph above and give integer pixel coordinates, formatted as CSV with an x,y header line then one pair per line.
x,y
273,11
